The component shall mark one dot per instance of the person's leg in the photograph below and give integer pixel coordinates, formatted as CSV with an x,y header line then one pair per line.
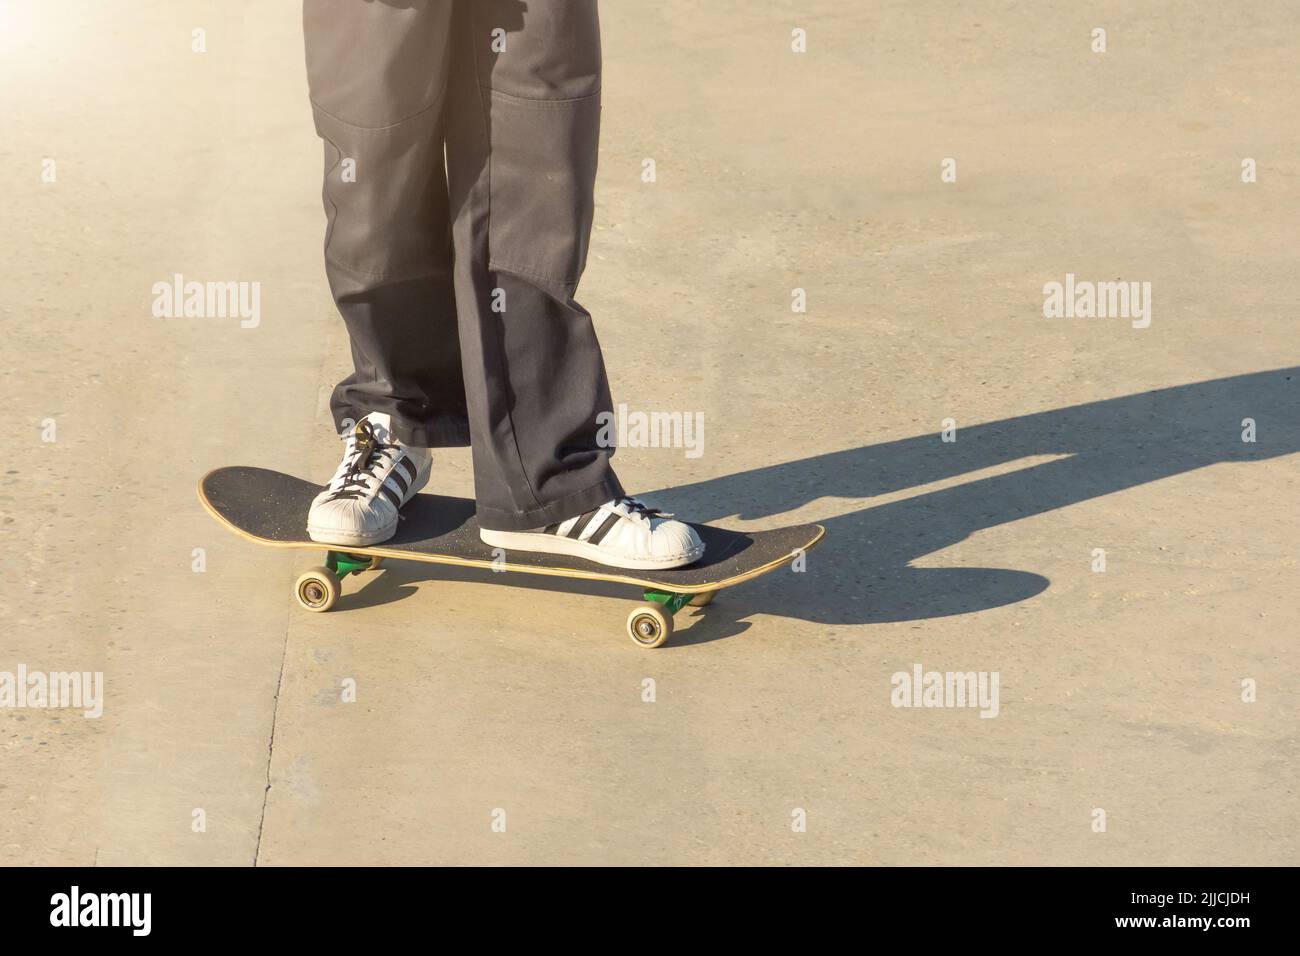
x,y
522,127
377,74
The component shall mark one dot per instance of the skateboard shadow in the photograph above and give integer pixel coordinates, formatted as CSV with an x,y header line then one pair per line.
x,y
864,571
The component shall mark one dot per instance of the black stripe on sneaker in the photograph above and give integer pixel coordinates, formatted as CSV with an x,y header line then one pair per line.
x,y
579,524
391,495
410,468
401,482
604,528
550,529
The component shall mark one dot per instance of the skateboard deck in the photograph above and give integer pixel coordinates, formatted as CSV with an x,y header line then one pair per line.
x,y
270,508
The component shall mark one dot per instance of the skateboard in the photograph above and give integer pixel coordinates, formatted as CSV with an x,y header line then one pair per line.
x,y
271,508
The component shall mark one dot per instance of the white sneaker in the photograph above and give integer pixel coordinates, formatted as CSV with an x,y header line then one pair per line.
x,y
622,533
377,476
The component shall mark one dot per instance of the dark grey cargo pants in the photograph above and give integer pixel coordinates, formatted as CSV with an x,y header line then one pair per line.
x,y
456,282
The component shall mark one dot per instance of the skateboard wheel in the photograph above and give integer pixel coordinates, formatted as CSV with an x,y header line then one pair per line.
x,y
376,564
649,626
703,599
317,589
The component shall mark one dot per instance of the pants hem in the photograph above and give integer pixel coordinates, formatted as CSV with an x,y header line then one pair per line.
x,y
448,432
494,519
450,435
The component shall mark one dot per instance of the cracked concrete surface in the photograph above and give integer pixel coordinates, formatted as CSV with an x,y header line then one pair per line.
x,y
474,701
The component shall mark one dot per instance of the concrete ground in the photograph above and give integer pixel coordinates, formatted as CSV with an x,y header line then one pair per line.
x,y
1147,712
